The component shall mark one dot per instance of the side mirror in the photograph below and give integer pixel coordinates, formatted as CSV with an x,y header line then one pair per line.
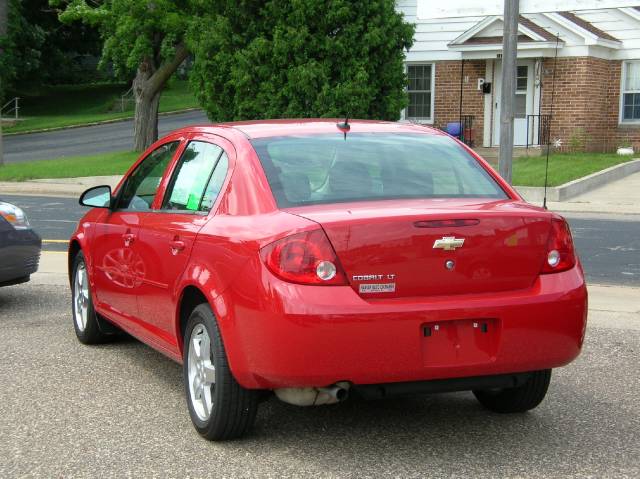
x,y
97,197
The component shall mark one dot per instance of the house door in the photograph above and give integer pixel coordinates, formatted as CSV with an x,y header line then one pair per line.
x,y
523,105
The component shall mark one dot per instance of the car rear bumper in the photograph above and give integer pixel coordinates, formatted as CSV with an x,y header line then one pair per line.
x,y
318,335
19,255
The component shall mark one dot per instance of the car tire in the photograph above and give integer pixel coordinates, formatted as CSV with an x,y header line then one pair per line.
x,y
219,407
519,399
86,321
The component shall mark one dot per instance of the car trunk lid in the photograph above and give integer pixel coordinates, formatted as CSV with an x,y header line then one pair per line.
x,y
435,247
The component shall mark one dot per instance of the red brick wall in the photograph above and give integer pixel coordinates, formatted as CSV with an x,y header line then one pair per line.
x,y
447,94
586,103
618,133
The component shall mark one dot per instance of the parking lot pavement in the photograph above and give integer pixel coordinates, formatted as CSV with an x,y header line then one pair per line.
x,y
69,410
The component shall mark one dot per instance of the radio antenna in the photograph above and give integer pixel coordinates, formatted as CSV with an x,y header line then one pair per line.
x,y
553,92
344,127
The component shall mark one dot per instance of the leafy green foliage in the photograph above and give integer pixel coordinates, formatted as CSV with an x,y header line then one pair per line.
x,y
132,30
39,50
20,48
299,58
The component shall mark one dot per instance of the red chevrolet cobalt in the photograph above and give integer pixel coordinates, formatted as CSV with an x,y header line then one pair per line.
x,y
317,259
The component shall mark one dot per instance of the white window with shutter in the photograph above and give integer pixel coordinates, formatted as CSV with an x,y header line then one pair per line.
x,y
630,95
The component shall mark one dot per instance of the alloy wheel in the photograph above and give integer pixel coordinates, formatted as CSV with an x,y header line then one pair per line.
x,y
81,297
201,372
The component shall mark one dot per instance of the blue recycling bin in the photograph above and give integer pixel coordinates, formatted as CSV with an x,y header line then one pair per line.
x,y
454,129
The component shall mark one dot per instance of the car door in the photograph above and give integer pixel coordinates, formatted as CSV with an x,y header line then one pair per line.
x,y
117,263
167,235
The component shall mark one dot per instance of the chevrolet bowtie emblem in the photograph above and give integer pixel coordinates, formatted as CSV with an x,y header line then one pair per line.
x,y
448,243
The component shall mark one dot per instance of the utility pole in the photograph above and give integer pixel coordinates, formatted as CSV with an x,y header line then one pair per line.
x,y
4,20
508,93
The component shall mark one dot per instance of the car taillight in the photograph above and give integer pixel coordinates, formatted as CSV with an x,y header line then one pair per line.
x,y
305,258
560,252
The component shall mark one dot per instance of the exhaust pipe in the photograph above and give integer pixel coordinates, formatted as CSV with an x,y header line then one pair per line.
x,y
335,392
314,396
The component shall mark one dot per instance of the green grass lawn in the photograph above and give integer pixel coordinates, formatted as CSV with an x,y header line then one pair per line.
x,y
61,106
526,171
95,165
562,167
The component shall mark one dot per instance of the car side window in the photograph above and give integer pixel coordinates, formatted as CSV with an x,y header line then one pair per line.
x,y
141,186
198,178
215,183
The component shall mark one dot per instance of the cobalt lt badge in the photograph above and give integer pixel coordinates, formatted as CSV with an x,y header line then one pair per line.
x,y
448,243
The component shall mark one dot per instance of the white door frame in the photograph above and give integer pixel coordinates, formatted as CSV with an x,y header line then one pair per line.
x,y
531,102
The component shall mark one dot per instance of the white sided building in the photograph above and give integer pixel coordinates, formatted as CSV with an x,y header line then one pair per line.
x,y
454,70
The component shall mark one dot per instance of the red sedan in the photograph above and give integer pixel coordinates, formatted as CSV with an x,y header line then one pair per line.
x,y
317,259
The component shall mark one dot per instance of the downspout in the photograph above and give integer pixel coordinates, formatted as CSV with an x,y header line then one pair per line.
x,y
462,138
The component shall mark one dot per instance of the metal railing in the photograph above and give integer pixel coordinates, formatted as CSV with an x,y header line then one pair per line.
x,y
11,109
466,130
538,128
126,98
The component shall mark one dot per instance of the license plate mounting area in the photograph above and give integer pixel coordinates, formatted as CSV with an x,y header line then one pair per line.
x,y
460,342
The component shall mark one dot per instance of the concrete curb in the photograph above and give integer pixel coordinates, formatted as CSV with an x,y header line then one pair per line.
x,y
62,187
581,185
95,123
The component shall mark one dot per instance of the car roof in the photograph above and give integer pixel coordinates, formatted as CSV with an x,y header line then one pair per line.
x,y
315,126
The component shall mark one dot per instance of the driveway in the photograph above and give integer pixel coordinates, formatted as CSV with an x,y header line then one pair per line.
x,y
89,140
118,410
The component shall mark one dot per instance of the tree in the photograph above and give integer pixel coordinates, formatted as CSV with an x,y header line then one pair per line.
x,y
39,50
140,39
20,44
62,48
303,58
3,33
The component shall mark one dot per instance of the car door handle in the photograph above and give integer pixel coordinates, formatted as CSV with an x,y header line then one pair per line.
x,y
128,238
176,246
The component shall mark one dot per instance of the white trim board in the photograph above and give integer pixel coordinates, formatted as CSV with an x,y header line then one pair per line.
x,y
428,9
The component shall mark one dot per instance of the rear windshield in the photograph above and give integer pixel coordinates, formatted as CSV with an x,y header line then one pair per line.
x,y
320,169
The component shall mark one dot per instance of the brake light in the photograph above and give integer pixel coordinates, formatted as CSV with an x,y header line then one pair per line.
x,y
560,252
305,258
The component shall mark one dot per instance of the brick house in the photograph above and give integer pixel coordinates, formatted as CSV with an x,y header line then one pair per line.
x,y
456,55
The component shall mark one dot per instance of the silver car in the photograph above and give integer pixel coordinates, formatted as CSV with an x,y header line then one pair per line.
x,y
19,246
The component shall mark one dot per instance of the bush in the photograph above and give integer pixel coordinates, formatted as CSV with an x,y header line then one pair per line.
x,y
308,58
578,140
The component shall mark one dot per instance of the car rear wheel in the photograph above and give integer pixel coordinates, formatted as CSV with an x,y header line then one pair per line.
x,y
85,319
219,407
518,399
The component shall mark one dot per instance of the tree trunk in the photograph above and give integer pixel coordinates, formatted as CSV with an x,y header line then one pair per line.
x,y
1,146
145,123
4,26
147,87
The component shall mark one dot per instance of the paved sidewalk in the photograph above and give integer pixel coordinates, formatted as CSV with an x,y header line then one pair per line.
x,y
66,187
618,197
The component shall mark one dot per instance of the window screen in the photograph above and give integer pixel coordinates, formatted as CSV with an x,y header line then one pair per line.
x,y
365,167
195,179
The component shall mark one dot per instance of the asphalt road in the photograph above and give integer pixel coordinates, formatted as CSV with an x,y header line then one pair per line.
x,y
609,249
88,140
118,410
